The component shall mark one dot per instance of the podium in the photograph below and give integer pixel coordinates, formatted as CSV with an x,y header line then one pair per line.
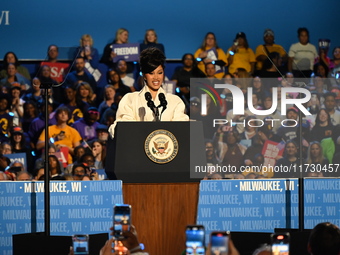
x,y
127,157
163,196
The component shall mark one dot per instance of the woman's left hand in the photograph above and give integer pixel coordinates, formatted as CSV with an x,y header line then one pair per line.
x,y
95,176
107,248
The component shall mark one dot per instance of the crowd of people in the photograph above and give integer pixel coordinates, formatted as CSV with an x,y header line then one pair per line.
x,y
268,145
80,112
323,239
80,116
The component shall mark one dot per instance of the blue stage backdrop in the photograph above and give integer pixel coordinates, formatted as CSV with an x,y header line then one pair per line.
x,y
28,27
77,207
263,205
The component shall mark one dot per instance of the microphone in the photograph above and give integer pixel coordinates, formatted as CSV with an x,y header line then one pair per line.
x,y
151,105
141,113
163,101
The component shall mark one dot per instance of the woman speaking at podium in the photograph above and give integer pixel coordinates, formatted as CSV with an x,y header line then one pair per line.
x,y
151,103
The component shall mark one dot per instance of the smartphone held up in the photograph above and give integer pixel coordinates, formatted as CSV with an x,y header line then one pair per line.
x,y
121,220
195,240
280,243
219,242
80,244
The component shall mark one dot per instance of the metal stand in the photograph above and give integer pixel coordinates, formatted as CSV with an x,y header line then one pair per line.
x,y
47,218
301,181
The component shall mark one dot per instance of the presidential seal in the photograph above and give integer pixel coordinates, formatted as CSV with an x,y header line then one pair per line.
x,y
161,146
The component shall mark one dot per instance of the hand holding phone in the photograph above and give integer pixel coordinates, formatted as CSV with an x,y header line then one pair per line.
x,y
195,243
80,244
226,128
235,45
87,50
121,220
280,243
130,240
219,241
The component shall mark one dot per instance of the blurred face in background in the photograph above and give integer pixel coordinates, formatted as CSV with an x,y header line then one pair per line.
x,y
93,116
46,71
292,115
80,64
240,41
122,66
209,149
86,41
329,103
3,104
80,152
17,137
51,151
6,149
53,52
123,37
30,109
315,150
15,93
11,70
53,162
210,40
228,79
84,92
62,116
336,53
303,37
103,135
188,61
70,94
151,36
291,149
257,83
114,77
10,58
110,93
269,39
210,70
323,116
78,173
97,148
268,102
231,139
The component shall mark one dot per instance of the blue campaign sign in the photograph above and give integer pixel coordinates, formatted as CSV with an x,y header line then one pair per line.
x,y
101,174
322,201
248,205
77,207
265,204
127,51
21,157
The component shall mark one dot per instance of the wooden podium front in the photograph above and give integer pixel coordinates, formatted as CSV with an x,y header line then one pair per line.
x,y
160,213
163,196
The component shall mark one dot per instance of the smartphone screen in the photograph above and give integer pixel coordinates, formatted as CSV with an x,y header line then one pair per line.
x,y
219,242
80,244
195,240
280,244
121,219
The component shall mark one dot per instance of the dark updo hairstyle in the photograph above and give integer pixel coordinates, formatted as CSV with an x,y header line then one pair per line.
x,y
150,59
